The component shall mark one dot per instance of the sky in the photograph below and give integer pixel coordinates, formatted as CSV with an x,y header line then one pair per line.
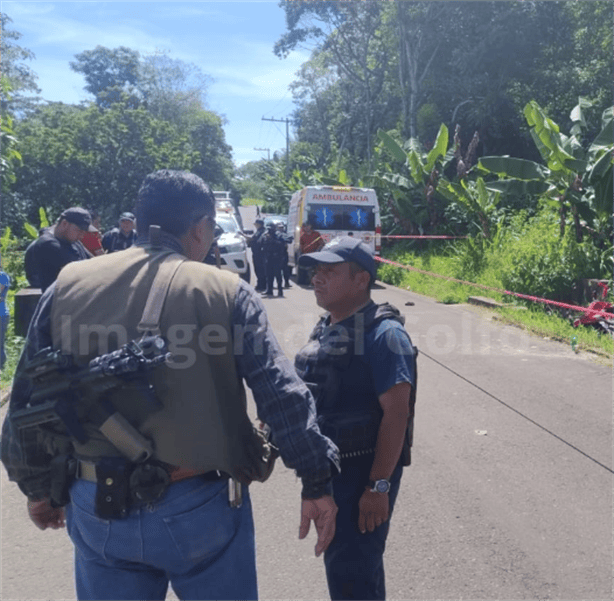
x,y
232,42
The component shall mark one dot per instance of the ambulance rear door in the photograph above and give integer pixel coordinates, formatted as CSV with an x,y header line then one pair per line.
x,y
336,211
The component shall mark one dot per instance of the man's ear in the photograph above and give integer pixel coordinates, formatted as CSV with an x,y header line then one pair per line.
x,y
364,279
197,230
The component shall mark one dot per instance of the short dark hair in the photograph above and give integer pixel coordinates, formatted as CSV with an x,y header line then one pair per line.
x,y
173,200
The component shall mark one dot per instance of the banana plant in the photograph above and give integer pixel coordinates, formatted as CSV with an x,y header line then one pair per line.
x,y
413,184
44,222
477,199
566,170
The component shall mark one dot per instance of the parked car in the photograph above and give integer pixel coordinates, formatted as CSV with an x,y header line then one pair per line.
x,y
233,250
224,204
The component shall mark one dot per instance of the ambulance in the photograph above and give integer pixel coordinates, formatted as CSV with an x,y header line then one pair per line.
x,y
334,211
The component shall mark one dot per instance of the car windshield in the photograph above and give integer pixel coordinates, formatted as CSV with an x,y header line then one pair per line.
x,y
227,224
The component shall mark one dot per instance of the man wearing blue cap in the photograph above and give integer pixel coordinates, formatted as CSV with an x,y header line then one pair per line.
x,y
122,237
360,365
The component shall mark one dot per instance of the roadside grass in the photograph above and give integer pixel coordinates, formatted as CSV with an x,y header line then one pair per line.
x,y
445,262
250,202
536,318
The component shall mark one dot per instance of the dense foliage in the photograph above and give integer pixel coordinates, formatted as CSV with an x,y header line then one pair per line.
x,y
463,116
148,113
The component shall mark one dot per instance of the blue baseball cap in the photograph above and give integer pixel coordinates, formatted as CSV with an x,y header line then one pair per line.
x,y
343,250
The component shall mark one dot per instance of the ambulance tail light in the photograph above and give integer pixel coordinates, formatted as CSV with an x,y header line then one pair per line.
x,y
378,239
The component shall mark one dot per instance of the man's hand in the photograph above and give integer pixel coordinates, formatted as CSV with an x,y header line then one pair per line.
x,y
374,509
45,516
323,512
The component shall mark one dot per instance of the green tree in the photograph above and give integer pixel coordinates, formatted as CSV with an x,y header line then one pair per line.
x,y
355,48
574,60
214,159
83,156
15,70
111,75
249,179
172,89
9,155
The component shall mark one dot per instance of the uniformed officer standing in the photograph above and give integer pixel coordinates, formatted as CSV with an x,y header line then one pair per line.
x,y
361,367
274,247
122,236
57,246
286,269
197,424
255,243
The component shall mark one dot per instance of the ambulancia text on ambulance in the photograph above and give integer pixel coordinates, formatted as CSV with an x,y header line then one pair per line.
x,y
334,211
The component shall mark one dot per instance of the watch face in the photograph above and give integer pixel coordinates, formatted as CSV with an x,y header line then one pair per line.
x,y
382,486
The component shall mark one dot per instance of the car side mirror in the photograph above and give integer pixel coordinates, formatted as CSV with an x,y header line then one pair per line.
x,y
248,232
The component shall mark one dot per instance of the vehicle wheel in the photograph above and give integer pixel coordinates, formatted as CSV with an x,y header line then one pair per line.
x,y
247,276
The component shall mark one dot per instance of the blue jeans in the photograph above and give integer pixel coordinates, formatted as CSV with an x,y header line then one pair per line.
x,y
190,538
354,562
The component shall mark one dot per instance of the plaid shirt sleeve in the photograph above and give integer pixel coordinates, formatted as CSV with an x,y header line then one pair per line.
x,y
25,458
282,399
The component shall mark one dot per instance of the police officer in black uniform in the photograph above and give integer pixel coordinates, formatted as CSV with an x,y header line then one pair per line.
x,y
274,247
255,243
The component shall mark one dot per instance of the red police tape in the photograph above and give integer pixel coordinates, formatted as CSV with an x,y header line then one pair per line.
x,y
589,312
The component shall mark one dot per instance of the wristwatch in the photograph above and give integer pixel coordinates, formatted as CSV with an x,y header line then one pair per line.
x,y
382,486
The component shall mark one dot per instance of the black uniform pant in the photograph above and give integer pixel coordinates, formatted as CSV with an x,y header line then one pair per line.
x,y
273,272
259,270
354,562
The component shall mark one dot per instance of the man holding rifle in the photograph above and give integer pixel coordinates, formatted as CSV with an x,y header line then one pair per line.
x,y
163,459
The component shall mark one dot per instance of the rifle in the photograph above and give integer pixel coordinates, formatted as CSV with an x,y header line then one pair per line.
x,y
66,394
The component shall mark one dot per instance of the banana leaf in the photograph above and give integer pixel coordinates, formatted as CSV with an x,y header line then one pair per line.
x,y
31,230
577,165
605,138
397,180
42,214
516,187
416,167
439,149
392,146
513,168
600,168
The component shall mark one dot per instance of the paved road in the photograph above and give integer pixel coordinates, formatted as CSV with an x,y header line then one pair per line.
x,y
509,497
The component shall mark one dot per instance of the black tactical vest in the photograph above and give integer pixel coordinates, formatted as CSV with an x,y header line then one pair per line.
x,y
321,364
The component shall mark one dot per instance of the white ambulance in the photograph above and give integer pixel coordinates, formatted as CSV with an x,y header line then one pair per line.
x,y
334,211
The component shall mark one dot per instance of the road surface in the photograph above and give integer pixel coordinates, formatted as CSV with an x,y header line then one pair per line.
x,y
510,491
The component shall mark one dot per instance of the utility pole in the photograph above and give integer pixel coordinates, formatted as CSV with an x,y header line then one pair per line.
x,y
287,122
268,150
